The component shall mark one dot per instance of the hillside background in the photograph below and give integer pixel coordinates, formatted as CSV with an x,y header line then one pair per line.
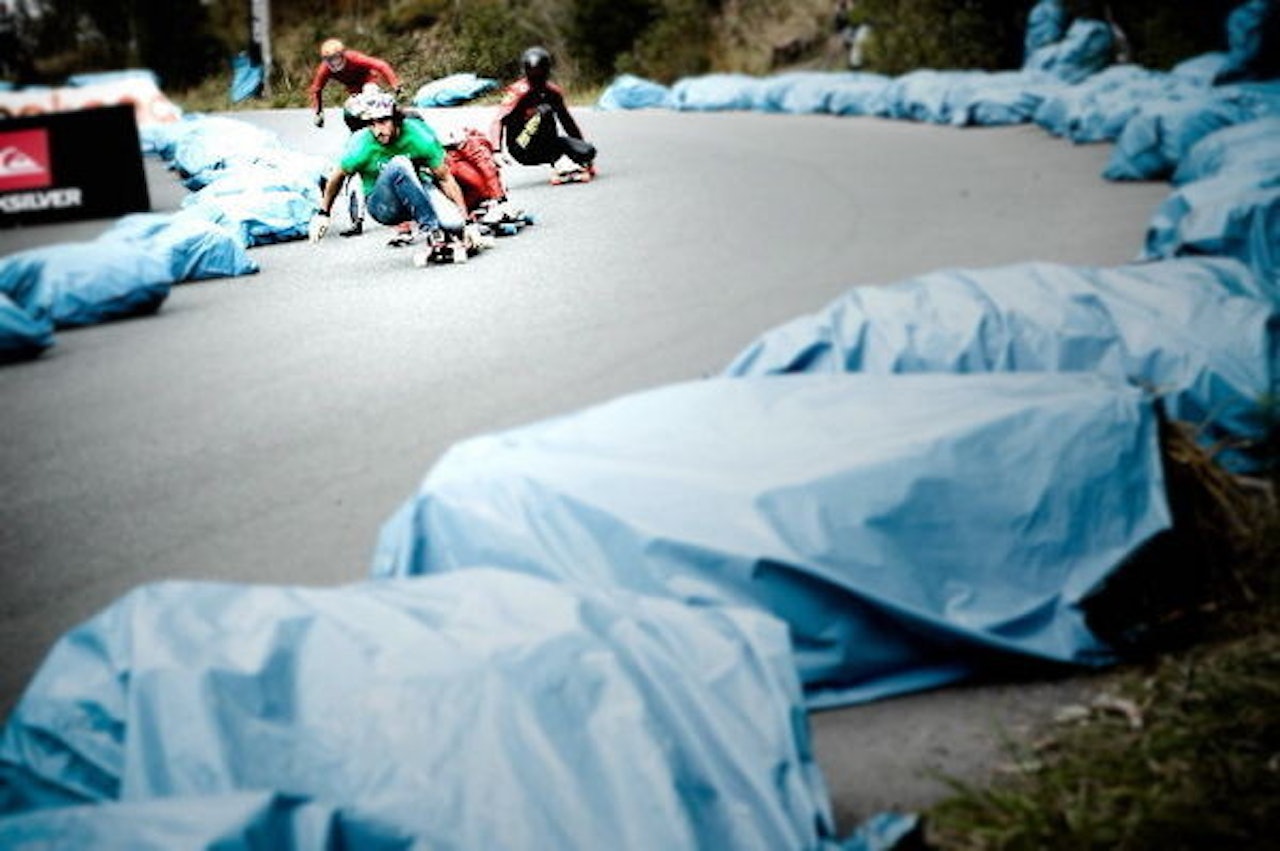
x,y
188,43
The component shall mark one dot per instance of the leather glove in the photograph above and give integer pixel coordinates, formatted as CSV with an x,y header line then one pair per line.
x,y
319,226
319,119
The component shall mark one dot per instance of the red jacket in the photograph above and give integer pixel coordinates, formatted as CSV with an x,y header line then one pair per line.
x,y
519,104
360,69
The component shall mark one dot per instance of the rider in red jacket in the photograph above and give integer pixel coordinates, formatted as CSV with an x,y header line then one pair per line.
x,y
527,116
352,69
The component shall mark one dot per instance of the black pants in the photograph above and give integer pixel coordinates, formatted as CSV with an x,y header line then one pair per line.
x,y
539,141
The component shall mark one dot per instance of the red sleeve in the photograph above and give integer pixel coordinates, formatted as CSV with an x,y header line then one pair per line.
x,y
317,85
510,100
374,67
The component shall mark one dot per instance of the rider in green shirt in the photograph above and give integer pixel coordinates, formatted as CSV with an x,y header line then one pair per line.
x,y
392,156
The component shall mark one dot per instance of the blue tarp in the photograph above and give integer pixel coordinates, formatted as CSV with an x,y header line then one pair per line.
x,y
480,710
453,90
257,216
211,143
858,93
1098,109
246,78
1200,70
1085,50
1161,132
1235,214
911,530
1046,25
246,820
1203,333
1251,35
716,92
85,283
1252,146
22,336
628,91
97,77
196,248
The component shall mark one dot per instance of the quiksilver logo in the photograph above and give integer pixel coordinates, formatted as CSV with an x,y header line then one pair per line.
x,y
24,160
46,199
15,162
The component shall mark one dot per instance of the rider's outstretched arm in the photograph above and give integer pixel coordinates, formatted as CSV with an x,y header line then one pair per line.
x,y
331,189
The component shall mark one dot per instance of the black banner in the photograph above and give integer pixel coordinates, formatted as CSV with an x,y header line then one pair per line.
x,y
64,166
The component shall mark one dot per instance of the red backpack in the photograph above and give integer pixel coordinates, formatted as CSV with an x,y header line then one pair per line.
x,y
472,164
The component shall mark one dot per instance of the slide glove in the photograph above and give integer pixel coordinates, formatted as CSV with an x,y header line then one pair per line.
x,y
319,226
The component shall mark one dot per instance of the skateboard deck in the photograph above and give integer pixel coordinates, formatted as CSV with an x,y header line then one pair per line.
x,y
575,175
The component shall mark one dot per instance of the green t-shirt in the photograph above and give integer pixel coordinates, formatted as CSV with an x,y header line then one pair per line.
x,y
365,155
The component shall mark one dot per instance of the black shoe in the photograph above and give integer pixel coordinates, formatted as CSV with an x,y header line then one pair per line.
x,y
356,229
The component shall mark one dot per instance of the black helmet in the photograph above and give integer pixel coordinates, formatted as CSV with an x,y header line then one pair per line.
x,y
536,61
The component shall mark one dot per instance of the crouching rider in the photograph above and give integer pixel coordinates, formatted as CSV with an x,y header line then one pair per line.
x,y
391,157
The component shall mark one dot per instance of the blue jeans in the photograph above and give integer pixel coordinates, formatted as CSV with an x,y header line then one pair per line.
x,y
399,196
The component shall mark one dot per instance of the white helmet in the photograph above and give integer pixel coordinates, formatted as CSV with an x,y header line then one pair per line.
x,y
379,106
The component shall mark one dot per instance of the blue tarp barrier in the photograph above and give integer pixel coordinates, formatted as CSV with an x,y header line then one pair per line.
x,y
858,93
1046,25
196,248
162,139
287,173
1203,333
1235,214
97,77
716,92
797,92
453,90
1252,146
859,509
631,92
246,78
1200,70
1085,50
22,336
85,283
247,820
256,216
1098,109
1251,37
480,710
1001,99
211,143
1161,132
922,95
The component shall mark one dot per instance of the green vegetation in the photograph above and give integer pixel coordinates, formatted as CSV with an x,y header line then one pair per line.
x,y
188,42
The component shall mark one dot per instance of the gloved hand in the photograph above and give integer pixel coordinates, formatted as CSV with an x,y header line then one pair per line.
x,y
319,226
319,119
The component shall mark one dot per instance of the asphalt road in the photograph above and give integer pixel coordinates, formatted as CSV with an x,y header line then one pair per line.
x,y
261,429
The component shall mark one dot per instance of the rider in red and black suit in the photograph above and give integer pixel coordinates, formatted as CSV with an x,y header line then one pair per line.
x,y
352,69
527,117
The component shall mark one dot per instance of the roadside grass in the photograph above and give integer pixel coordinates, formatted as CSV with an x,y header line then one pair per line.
x,y
1179,751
